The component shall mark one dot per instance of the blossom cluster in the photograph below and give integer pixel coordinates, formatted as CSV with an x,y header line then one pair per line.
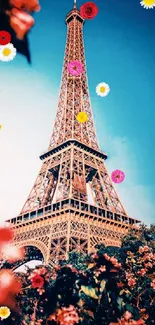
x,y
110,287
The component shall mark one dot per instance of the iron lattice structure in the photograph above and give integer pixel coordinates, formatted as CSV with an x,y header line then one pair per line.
x,y
57,216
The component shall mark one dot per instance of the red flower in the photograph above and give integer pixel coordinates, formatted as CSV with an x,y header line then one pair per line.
x,y
37,281
120,285
6,235
88,10
5,38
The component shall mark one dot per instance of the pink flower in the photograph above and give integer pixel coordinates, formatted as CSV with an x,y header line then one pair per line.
x,y
131,282
129,275
113,260
146,248
102,268
141,250
148,264
118,265
75,68
106,256
153,284
95,256
142,272
117,176
127,315
147,257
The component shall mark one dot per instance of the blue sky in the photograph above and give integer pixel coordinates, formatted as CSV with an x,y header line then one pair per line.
x,y
120,50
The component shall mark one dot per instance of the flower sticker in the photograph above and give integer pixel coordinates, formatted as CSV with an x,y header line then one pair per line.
x,y
37,281
117,176
148,4
82,117
7,52
4,312
75,68
5,37
88,10
102,89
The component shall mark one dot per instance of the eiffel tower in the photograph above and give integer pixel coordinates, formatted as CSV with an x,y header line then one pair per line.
x,y
57,216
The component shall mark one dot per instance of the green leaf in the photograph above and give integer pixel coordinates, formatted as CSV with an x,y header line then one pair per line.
x,y
120,303
130,308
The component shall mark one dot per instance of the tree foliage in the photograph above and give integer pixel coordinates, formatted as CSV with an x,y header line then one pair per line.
x,y
111,286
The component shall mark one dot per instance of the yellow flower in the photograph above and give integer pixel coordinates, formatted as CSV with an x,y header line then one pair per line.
x,y
0,126
4,312
82,117
148,4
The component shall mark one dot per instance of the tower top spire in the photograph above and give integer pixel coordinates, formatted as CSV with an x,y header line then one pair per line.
x,y
74,4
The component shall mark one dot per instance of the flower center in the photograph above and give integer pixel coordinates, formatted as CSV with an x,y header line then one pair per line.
x,y
3,313
149,2
102,89
6,51
88,10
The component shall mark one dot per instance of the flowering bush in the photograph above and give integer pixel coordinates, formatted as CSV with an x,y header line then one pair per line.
x,y
110,287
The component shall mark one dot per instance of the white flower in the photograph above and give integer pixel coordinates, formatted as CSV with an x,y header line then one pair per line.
x,y
148,4
102,89
7,52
